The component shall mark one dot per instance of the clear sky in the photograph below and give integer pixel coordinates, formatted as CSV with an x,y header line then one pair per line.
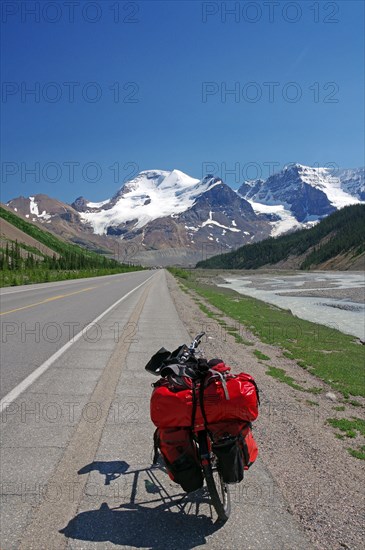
x,y
120,87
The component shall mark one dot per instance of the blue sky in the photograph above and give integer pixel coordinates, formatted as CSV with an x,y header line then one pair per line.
x,y
148,87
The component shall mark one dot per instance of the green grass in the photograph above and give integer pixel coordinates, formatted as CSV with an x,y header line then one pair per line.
x,y
332,356
207,312
312,403
212,315
239,339
281,375
355,403
261,355
183,288
181,273
357,453
349,427
315,391
340,408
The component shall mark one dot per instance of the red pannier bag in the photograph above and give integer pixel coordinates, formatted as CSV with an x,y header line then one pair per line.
x,y
173,406
234,447
243,432
180,456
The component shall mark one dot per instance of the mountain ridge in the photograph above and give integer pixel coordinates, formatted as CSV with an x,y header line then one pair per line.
x,y
168,210
306,193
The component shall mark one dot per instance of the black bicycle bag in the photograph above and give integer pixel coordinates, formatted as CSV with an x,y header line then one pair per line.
x,y
230,460
187,473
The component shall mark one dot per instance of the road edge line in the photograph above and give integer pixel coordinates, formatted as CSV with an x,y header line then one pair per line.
x,y
29,380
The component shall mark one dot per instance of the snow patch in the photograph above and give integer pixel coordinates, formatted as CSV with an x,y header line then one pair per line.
x,y
210,221
33,208
97,204
286,222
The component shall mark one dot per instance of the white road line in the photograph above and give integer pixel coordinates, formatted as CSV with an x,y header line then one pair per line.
x,y
20,388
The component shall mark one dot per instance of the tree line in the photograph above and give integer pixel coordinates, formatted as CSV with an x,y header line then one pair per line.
x,y
13,258
341,232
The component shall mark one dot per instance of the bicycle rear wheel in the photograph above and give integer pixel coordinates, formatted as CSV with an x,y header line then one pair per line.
x,y
218,491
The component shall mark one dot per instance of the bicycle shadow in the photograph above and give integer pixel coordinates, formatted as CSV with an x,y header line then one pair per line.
x,y
112,469
152,524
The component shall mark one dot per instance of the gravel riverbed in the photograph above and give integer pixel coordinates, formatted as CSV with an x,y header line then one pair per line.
x,y
334,299
321,482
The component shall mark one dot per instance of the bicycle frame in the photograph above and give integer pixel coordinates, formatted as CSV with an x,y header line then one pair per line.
x,y
217,488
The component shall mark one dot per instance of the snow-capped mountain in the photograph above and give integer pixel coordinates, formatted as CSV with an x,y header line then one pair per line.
x,y
165,209
179,219
157,210
152,194
299,196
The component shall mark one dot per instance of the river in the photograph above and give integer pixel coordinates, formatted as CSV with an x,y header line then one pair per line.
x,y
335,299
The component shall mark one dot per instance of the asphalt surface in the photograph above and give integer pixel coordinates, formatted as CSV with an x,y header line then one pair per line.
x,y
37,320
76,445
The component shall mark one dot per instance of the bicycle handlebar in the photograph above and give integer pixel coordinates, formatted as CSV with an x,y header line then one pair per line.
x,y
195,343
182,355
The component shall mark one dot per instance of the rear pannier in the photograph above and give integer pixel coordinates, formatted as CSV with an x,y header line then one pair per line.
x,y
235,448
230,459
180,456
222,403
234,397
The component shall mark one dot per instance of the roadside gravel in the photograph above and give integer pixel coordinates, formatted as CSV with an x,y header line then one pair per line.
x,y
321,481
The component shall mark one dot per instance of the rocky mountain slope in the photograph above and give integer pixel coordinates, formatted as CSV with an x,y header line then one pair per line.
x,y
156,211
163,217
336,242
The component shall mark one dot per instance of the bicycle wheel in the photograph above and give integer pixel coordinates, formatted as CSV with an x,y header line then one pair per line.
x,y
218,491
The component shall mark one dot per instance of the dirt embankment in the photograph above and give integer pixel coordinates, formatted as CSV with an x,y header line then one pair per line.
x,y
9,232
320,480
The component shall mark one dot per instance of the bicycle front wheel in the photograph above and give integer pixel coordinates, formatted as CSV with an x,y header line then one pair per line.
x,y
218,491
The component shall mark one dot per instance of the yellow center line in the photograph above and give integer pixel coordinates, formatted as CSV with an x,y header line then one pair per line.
x,y
48,300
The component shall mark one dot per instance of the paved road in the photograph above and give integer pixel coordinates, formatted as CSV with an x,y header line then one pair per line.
x,y
76,445
37,320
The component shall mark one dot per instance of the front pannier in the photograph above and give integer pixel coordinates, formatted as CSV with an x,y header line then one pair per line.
x,y
180,456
